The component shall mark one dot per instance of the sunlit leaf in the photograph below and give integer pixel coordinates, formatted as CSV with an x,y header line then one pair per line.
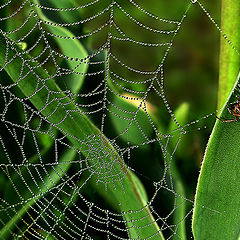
x,y
131,121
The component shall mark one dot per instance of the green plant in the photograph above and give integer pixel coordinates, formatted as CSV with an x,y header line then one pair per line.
x,y
216,213
73,170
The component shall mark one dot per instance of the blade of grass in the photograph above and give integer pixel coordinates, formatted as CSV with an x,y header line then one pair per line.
x,y
179,214
216,213
59,110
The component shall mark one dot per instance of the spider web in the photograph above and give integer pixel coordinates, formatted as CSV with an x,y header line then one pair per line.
x,y
96,66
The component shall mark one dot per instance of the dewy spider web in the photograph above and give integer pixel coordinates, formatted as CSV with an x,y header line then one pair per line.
x,y
54,175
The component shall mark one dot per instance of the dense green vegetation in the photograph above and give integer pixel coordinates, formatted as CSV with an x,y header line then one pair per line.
x,y
148,189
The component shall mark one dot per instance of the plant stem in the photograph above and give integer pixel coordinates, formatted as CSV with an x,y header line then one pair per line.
x,y
229,61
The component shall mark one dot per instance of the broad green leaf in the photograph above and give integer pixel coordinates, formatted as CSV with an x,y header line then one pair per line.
x,y
72,49
115,175
49,182
216,213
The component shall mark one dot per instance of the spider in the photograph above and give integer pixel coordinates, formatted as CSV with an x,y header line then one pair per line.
x,y
233,109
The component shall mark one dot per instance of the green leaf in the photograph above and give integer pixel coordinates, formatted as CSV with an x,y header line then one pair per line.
x,y
67,16
179,214
132,203
109,169
131,122
74,51
216,213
